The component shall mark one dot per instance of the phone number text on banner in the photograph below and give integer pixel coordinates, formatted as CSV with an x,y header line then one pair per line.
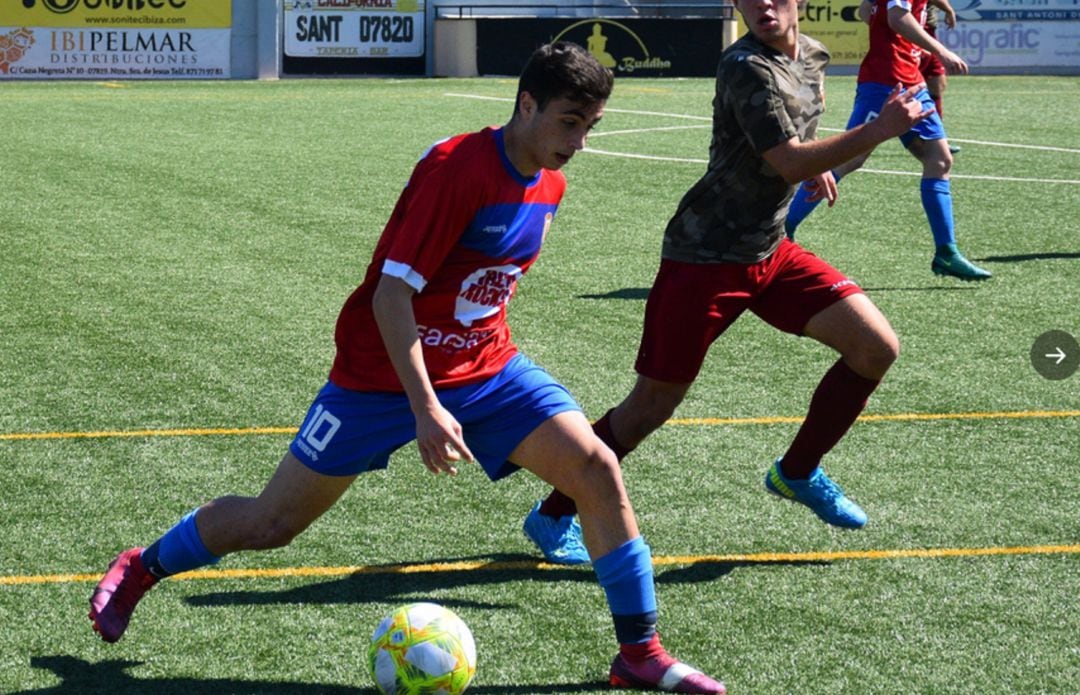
x,y
354,28
115,39
72,54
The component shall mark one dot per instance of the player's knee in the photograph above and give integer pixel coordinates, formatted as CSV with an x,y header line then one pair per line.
x,y
946,162
938,163
876,355
598,479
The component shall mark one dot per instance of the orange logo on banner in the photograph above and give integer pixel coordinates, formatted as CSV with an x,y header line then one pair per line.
x,y
13,47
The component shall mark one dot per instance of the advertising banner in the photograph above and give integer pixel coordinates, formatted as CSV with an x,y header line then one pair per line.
x,y
989,33
1012,10
836,24
115,39
354,28
1014,44
630,47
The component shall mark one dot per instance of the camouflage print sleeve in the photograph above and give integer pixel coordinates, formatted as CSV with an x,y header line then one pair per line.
x,y
758,104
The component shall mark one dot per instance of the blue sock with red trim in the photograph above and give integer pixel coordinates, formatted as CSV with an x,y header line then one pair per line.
x,y
626,575
179,550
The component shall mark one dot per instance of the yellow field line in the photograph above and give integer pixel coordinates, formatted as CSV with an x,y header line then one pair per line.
x,y
478,566
895,417
225,431
184,432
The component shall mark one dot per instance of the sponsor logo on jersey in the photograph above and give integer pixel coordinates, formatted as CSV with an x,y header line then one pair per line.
x,y
484,292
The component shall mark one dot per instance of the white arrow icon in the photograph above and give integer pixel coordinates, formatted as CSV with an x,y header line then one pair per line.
x,y
1060,355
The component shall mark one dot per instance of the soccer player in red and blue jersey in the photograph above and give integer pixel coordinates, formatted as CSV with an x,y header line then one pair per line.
x,y
424,352
897,42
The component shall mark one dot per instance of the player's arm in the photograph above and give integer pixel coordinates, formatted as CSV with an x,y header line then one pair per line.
x,y
865,8
903,23
950,13
438,434
798,161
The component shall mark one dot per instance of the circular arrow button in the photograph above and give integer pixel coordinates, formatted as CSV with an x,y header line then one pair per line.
x,y
1055,355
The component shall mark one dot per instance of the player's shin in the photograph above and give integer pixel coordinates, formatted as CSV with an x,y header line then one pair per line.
x,y
179,550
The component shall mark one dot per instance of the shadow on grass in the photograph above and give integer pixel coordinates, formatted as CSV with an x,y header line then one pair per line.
x,y
710,570
401,583
624,293
643,292
79,676
1024,257
966,287
394,583
389,583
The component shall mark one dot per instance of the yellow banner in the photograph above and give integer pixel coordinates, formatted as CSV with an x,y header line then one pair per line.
x,y
836,24
117,14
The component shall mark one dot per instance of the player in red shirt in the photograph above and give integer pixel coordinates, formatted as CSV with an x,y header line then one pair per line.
x,y
897,42
424,352
930,66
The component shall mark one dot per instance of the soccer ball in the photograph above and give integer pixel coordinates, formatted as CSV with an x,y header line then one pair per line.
x,y
422,649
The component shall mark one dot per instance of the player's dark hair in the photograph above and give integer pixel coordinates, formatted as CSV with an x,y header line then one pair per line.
x,y
564,70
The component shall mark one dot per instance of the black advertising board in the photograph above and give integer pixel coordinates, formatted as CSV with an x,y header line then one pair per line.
x,y
631,47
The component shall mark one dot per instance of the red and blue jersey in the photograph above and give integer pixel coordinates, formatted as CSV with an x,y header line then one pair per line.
x,y
464,230
892,58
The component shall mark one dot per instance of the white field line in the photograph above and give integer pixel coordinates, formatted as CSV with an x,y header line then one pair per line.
x,y
691,160
862,171
646,130
651,157
989,143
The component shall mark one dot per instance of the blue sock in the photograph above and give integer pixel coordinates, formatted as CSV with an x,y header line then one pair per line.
x,y
800,209
626,574
937,202
179,550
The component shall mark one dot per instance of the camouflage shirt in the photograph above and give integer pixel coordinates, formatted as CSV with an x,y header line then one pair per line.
x,y
735,212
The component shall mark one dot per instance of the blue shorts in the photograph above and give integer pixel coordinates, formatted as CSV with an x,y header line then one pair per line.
x,y
348,432
870,97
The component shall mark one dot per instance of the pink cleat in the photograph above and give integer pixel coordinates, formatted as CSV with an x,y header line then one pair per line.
x,y
118,593
662,672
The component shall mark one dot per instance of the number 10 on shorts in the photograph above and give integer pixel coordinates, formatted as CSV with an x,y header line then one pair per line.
x,y
320,429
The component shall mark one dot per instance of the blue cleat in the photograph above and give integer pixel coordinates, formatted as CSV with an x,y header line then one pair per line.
x,y
822,495
559,539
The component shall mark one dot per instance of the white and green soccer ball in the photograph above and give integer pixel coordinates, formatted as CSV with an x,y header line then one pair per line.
x,y
422,649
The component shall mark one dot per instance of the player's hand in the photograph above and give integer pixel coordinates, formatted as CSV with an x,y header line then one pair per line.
x,y
954,64
900,112
439,438
822,187
950,17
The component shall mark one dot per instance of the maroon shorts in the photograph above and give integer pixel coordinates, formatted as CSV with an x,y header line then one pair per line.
x,y
691,304
929,64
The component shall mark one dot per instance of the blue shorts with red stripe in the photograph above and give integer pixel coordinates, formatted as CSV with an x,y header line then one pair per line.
x,y
348,432
870,97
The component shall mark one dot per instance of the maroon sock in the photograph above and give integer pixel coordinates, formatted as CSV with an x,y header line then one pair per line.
x,y
558,504
837,402
640,652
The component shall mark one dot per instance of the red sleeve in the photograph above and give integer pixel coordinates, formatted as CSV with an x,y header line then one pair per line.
x,y
434,210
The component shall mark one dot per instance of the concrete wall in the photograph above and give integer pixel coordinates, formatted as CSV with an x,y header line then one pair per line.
x,y
256,39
